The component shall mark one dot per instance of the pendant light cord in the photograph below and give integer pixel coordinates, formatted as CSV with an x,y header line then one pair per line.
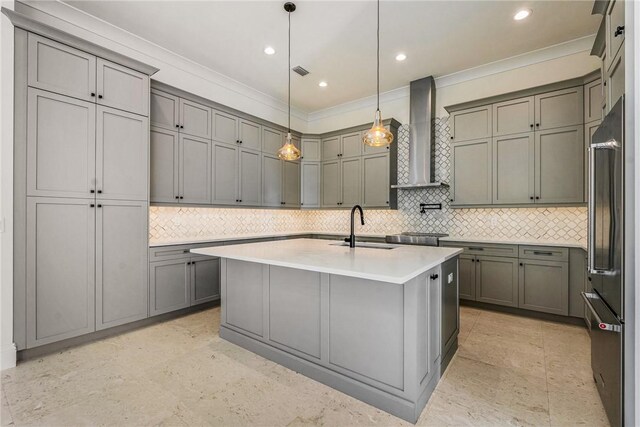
x,y
378,58
289,73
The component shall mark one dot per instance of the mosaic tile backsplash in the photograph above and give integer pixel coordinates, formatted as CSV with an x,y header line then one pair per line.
x,y
548,224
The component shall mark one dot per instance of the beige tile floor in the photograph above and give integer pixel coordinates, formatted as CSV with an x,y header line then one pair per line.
x,y
508,371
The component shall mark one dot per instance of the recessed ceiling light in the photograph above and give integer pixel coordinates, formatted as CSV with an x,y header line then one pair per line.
x,y
323,84
269,50
401,57
522,14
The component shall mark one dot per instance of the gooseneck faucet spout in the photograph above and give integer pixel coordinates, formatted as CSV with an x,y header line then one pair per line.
x,y
352,237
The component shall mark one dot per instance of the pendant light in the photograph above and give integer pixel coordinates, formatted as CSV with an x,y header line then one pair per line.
x,y
378,135
289,151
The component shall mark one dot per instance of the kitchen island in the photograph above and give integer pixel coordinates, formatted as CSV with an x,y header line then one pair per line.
x,y
378,322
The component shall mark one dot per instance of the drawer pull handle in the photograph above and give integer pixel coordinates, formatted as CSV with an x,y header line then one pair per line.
x,y
542,253
476,249
186,251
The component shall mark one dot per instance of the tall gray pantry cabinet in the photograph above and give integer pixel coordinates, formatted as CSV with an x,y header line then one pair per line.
x,y
81,186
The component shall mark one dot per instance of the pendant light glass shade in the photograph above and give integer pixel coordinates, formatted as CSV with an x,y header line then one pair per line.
x,y
378,135
289,151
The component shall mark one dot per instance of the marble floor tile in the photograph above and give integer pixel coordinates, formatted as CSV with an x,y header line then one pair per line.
x,y
6,419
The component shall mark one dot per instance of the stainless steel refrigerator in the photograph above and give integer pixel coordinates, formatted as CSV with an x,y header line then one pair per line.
x,y
606,234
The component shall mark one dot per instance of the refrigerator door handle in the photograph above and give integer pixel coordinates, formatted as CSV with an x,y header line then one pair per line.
x,y
587,296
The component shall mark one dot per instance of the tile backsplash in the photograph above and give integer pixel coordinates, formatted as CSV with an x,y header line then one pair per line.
x,y
544,223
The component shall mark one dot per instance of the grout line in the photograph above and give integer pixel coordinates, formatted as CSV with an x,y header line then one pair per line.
x,y
546,373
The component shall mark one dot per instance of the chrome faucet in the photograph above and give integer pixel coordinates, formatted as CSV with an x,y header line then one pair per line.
x,y
352,237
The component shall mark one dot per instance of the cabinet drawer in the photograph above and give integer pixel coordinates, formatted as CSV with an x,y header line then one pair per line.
x,y
549,253
489,249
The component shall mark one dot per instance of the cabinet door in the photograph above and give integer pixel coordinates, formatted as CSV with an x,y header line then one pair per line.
x,y
195,119
122,155
497,280
544,286
249,134
122,88
62,69
351,144
165,110
225,127
291,183
467,277
250,178
331,184
164,165
169,286
471,172
559,108
614,23
310,185
375,181
351,181
272,140
60,269
513,169
195,170
615,81
330,148
271,180
593,101
311,150
61,144
559,165
513,116
225,174
474,123
122,285
205,280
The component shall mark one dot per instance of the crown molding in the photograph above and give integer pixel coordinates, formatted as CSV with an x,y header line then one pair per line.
x,y
358,104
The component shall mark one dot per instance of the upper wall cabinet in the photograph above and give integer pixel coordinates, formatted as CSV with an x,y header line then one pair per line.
x,y
473,123
559,108
195,119
249,135
272,140
471,172
351,144
593,101
514,116
311,150
62,69
331,148
164,110
513,169
615,30
225,127
164,165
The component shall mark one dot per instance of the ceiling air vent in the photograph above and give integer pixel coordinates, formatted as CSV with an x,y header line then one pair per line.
x,y
300,70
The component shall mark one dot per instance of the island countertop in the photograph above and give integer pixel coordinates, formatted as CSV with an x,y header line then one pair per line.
x,y
397,265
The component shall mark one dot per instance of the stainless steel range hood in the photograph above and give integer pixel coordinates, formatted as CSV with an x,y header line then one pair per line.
x,y
422,135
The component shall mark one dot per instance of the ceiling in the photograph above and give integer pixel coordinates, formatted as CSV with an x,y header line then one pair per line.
x,y
335,41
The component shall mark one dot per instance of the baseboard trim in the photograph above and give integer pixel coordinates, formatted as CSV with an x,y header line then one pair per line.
x,y
579,321
8,356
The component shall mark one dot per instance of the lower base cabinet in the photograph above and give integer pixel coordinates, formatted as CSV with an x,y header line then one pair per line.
x,y
467,277
544,286
205,280
497,280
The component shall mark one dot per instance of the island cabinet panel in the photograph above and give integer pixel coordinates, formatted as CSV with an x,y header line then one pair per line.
x,y
294,309
497,280
205,280
467,277
513,116
244,297
471,172
544,286
429,313
165,110
513,169
473,123
360,339
169,286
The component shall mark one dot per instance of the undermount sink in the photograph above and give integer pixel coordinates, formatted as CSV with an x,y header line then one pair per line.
x,y
366,245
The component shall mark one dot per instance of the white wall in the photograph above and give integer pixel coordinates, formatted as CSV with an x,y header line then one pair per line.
x,y
7,349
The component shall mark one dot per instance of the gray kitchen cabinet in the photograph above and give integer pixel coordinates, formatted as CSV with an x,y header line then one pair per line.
x,y
351,181
195,119
513,169
169,286
367,149
60,269
122,151
615,80
250,178
375,180
593,101
195,170
351,144
559,159
122,88
225,174
471,172
225,127
331,184
331,148
165,110
513,116
467,277
164,150
61,144
291,183
272,140
59,68
310,184
615,38
271,180
559,108
497,280
249,135
544,286
121,262
472,123
577,280
205,280
311,150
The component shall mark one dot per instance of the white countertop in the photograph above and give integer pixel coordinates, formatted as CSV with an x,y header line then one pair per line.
x,y
397,265
517,241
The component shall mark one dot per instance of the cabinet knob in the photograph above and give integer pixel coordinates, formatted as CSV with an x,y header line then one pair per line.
x,y
93,94
434,276
177,197
619,31
451,137
538,125
181,197
99,191
240,141
521,264
178,126
99,96
537,197
181,126
240,200
531,197
99,206
92,205
387,202
531,125
451,200
92,191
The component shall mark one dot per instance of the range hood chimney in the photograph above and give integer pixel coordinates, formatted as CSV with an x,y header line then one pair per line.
x,y
422,135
